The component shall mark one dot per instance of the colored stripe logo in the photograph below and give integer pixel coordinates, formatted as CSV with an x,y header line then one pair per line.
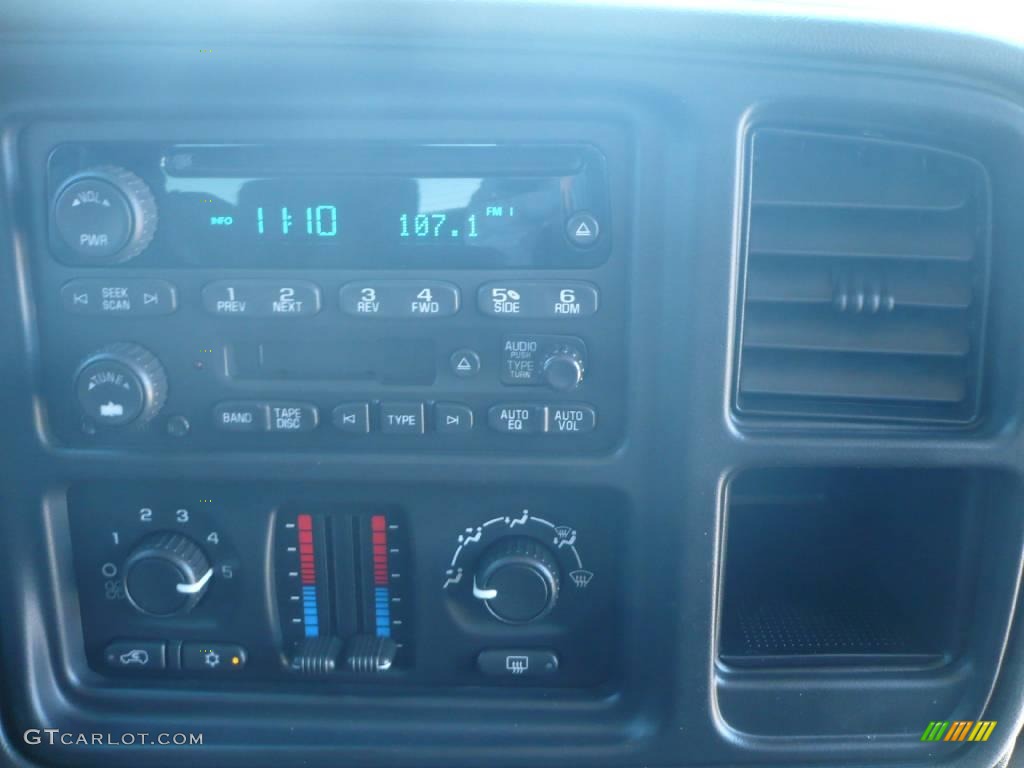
x,y
959,730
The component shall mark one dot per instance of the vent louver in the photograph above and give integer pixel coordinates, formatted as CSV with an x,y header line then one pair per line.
x,y
866,264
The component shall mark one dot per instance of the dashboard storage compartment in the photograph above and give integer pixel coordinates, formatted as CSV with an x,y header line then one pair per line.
x,y
847,567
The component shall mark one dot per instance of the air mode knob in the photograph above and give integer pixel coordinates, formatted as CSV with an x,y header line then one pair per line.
x,y
104,215
517,579
166,575
119,385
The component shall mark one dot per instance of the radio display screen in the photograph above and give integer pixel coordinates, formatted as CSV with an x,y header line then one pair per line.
x,y
347,212
336,205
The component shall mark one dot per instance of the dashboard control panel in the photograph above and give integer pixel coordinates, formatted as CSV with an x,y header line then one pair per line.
x,y
238,581
332,296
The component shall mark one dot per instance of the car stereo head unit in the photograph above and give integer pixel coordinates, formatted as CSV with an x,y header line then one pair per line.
x,y
333,295
327,205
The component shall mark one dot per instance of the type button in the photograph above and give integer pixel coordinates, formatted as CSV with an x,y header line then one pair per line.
x,y
401,418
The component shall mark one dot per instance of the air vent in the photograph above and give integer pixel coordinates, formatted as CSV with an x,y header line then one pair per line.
x,y
866,271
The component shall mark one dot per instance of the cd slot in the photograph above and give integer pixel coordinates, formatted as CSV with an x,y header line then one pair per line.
x,y
383,361
245,161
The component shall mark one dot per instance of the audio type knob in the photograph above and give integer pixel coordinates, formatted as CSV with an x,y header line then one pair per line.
x,y
563,370
104,215
121,384
517,580
166,575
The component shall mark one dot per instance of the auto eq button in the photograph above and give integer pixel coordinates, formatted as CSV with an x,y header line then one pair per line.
x,y
517,418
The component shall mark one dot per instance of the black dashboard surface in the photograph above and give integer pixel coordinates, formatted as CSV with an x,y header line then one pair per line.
x,y
667,634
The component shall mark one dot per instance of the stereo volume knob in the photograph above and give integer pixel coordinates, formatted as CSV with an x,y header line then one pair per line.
x,y
119,385
167,574
517,579
104,215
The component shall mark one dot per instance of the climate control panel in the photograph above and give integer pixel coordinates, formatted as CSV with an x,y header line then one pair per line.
x,y
347,586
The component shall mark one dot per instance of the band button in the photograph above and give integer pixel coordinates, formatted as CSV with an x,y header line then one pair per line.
x,y
240,417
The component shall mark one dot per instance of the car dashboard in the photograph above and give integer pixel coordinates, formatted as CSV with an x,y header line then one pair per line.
x,y
506,384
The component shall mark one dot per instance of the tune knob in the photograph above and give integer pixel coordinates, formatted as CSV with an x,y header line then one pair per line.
x,y
104,215
120,384
563,370
517,580
166,575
